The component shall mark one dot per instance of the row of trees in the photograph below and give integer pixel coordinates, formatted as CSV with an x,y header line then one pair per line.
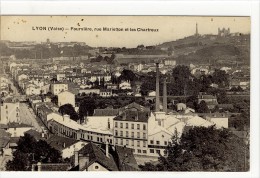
x,y
204,149
182,82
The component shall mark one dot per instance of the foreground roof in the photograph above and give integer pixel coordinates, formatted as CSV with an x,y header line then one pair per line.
x,y
97,154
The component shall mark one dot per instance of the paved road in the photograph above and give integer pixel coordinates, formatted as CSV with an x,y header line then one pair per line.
x,y
26,113
28,117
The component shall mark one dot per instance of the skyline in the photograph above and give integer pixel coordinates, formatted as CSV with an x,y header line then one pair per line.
x,y
20,28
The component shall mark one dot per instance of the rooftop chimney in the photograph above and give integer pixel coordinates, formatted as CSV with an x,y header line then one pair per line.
x,y
164,96
43,135
76,157
157,99
39,165
107,150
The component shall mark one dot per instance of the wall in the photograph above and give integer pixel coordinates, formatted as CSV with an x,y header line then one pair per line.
x,y
96,167
66,98
18,132
139,144
69,151
10,113
158,142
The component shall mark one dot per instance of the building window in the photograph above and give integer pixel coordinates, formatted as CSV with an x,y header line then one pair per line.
x,y
96,167
116,141
121,142
144,135
121,125
165,142
133,143
158,151
138,134
121,133
144,151
91,138
132,134
139,151
127,142
101,140
126,133
144,127
126,125
144,143
116,133
132,126
165,152
138,143
151,141
115,124
138,126
158,142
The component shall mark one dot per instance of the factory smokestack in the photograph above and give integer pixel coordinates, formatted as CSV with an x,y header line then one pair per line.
x,y
157,99
164,96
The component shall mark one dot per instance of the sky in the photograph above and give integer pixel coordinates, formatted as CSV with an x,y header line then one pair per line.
x,y
20,28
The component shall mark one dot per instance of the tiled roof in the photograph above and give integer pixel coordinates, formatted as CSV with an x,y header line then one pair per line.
x,y
3,126
105,90
4,138
13,141
45,109
54,166
134,105
229,106
11,100
105,112
134,116
35,134
97,154
126,159
17,125
207,97
60,143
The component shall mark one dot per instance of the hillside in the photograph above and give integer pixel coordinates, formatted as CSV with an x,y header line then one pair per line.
x,y
211,48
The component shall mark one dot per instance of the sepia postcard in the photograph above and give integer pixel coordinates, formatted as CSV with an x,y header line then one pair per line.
x,y
125,93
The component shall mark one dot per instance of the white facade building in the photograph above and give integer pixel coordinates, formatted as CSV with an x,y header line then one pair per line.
x,y
66,97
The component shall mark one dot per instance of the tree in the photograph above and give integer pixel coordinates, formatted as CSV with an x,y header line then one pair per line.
x,y
127,75
69,110
202,107
87,107
205,149
181,75
220,78
30,151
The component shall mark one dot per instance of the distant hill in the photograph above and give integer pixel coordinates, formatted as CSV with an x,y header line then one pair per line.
x,y
202,49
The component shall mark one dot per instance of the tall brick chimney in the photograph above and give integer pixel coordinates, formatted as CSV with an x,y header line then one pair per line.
x,y
157,99
164,96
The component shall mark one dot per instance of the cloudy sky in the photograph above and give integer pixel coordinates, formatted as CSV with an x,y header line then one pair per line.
x,y
19,28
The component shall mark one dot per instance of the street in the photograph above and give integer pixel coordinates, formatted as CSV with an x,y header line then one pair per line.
x,y
27,115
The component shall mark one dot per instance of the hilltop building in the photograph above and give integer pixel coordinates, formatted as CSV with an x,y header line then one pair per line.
x,y
223,32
